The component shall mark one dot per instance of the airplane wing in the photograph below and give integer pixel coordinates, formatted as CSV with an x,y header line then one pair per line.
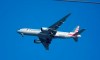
x,y
56,25
45,43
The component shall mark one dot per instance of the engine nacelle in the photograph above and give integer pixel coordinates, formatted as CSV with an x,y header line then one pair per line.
x,y
44,29
37,41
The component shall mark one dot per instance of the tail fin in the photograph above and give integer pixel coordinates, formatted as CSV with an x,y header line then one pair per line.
x,y
76,29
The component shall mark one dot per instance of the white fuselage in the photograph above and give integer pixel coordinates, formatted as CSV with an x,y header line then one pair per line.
x,y
36,32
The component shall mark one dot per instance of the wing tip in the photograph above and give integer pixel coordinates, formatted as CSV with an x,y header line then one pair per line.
x,y
68,15
47,48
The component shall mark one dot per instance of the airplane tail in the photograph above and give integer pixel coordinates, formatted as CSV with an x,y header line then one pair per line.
x,y
77,32
77,29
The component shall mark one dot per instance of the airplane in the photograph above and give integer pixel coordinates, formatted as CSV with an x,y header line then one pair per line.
x,y
46,34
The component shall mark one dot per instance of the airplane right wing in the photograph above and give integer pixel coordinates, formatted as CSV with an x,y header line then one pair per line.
x,y
59,23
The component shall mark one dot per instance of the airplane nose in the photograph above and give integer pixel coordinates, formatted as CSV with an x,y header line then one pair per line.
x,y
18,31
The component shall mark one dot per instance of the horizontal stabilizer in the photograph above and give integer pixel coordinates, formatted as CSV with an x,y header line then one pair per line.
x,y
79,32
75,39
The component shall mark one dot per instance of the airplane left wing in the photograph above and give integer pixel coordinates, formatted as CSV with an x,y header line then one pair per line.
x,y
45,43
59,23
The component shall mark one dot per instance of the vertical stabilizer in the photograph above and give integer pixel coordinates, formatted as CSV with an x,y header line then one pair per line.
x,y
76,29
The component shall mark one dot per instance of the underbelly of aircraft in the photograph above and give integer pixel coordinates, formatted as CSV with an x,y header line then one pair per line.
x,y
57,35
62,35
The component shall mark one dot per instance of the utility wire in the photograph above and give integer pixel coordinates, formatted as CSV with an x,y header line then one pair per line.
x,y
80,1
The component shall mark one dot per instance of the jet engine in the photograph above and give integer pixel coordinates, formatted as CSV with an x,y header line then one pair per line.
x,y
37,41
44,29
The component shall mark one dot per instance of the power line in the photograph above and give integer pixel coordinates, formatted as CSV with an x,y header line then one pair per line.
x,y
80,1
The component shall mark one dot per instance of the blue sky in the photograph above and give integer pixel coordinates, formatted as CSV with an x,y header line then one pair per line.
x,y
16,14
